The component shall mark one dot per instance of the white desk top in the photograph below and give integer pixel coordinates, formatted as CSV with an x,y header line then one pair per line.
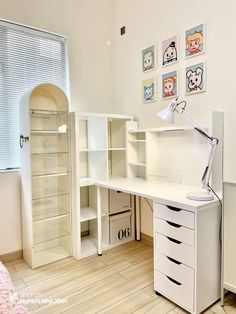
x,y
157,190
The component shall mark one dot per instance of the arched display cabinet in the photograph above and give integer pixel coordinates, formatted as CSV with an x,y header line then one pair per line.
x,y
45,175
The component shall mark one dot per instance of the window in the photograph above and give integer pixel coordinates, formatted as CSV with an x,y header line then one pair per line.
x,y
28,57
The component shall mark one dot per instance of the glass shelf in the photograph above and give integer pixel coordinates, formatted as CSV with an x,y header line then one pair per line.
x,y
51,153
46,132
55,212
46,112
51,229
48,173
49,194
48,121
51,254
49,143
53,234
50,207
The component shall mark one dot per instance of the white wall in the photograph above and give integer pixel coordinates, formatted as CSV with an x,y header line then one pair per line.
x,y
87,24
10,227
150,21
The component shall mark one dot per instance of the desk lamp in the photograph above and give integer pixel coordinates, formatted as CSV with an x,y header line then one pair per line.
x,y
167,115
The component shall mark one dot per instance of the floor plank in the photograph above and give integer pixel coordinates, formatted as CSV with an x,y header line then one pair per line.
x,y
118,282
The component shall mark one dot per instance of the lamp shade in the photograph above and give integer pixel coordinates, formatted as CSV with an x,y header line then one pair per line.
x,y
167,114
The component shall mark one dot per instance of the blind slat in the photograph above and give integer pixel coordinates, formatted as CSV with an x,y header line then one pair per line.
x,y
27,58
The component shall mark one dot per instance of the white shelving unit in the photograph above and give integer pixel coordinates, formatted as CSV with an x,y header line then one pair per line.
x,y
45,175
143,154
99,152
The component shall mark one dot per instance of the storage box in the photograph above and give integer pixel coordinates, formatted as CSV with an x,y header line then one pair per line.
x,y
119,201
121,227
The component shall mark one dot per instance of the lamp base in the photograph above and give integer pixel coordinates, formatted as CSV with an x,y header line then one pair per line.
x,y
200,196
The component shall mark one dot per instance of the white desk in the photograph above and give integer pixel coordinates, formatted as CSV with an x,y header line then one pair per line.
x,y
199,265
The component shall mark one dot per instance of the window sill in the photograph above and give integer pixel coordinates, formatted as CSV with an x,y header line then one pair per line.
x,y
9,170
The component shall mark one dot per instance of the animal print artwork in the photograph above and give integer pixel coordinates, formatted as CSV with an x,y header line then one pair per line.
x,y
149,90
170,51
148,58
195,78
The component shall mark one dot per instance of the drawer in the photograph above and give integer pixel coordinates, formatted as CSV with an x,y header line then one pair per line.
x,y
119,201
181,252
173,290
175,270
173,214
175,231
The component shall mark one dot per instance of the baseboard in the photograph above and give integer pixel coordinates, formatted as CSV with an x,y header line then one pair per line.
x,y
146,239
12,256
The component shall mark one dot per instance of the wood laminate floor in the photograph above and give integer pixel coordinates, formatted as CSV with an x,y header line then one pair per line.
x,y
119,282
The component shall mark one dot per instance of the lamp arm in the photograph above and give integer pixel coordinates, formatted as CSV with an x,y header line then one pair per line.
x,y
207,173
213,141
194,124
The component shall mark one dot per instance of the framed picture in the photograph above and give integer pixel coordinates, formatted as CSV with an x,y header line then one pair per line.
x,y
169,85
149,90
195,41
195,81
149,58
169,51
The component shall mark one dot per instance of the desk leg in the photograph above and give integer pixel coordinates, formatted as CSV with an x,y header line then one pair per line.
x,y
138,220
99,220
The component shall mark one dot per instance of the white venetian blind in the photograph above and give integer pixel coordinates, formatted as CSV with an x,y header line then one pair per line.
x,y
28,57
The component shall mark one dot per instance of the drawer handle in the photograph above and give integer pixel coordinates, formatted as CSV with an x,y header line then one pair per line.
x,y
174,281
173,260
173,224
173,240
174,208
118,191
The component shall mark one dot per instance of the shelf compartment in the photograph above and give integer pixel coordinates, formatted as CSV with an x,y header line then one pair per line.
x,y
51,207
49,164
41,120
89,213
137,170
136,135
51,229
117,163
88,246
88,200
45,187
49,143
116,133
93,164
93,133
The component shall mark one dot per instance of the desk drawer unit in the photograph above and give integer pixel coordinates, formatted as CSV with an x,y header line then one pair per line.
x,y
178,292
175,269
175,215
175,249
175,231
